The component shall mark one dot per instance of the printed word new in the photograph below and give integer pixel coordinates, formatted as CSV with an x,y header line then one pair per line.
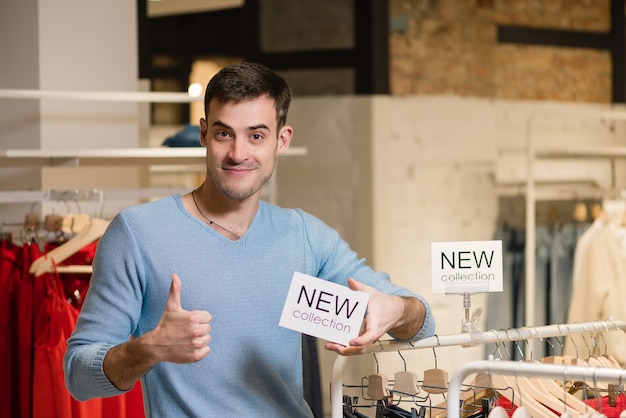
x,y
463,259
323,309
323,301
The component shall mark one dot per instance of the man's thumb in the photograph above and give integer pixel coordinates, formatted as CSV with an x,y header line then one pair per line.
x,y
362,287
173,300
354,285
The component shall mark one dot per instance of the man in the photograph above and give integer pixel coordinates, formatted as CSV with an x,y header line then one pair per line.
x,y
198,282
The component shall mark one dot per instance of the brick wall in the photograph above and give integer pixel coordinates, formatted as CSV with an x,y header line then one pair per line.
x,y
451,47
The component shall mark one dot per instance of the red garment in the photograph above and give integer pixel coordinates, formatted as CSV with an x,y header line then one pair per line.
x,y
75,285
9,271
506,404
37,315
50,398
55,320
602,405
72,288
23,350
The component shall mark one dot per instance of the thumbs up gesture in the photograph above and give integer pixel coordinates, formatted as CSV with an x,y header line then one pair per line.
x,y
181,336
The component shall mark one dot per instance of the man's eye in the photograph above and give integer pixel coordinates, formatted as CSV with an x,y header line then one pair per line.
x,y
222,134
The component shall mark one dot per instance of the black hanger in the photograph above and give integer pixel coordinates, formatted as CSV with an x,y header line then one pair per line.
x,y
394,411
487,406
347,407
421,413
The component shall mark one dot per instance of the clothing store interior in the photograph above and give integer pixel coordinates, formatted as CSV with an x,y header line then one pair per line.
x,y
415,122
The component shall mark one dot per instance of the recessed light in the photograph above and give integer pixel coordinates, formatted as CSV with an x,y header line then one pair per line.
x,y
195,89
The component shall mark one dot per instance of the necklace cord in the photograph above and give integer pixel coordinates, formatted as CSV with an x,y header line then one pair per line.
x,y
211,222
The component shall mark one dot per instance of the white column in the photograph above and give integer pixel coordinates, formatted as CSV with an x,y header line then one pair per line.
x,y
75,45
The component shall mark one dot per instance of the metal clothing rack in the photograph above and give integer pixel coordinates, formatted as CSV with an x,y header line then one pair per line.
x,y
468,340
31,196
85,195
610,152
520,368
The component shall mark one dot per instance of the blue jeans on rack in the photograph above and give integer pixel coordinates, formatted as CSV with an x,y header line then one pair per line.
x,y
563,249
554,261
505,309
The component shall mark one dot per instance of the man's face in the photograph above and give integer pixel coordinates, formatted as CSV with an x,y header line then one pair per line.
x,y
242,145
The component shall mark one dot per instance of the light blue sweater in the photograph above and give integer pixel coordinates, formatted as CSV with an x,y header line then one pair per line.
x,y
254,367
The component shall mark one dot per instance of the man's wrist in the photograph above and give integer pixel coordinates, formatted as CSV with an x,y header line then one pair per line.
x,y
412,319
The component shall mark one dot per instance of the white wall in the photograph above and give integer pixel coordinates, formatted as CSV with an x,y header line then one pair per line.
x,y
67,46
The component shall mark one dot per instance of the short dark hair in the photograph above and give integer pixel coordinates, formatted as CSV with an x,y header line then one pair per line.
x,y
246,81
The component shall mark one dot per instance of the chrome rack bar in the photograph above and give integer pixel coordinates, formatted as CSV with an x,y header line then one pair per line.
x,y
468,340
522,368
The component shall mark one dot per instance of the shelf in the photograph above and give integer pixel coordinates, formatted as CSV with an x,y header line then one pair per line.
x,y
91,195
582,152
106,96
112,156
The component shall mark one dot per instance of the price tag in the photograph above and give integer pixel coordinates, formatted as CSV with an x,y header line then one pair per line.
x,y
467,266
323,309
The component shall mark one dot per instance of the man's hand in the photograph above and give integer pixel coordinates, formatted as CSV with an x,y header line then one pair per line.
x,y
402,316
180,337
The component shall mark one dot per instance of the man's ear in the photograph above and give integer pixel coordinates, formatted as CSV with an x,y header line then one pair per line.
x,y
203,132
284,139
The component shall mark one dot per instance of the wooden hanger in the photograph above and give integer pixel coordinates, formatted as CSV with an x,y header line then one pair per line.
x,y
562,392
47,262
538,403
580,212
568,402
377,387
405,383
480,388
538,390
75,269
435,381
73,223
501,383
594,361
549,393
605,358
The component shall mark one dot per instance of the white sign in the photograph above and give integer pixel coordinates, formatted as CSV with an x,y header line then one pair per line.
x,y
467,266
323,309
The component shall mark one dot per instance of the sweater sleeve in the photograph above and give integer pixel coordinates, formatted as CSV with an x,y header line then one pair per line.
x,y
337,262
108,316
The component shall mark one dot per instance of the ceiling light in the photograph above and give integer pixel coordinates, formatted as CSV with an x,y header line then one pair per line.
x,y
195,89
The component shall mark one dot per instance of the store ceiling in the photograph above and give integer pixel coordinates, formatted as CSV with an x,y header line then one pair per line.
x,y
176,7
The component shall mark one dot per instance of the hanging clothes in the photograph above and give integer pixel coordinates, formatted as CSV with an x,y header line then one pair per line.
x,y
555,247
610,409
69,292
23,352
37,315
598,294
9,271
53,322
